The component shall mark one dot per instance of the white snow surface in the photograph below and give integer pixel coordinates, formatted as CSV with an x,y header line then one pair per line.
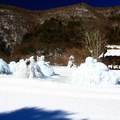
x,y
58,98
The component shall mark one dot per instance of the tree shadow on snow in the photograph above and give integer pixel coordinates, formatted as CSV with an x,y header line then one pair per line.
x,y
35,114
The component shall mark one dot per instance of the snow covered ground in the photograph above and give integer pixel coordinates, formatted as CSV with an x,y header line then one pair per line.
x,y
57,97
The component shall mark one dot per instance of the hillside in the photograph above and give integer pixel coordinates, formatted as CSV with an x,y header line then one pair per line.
x,y
56,33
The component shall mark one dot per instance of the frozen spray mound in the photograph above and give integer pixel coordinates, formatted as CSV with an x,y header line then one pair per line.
x,y
94,73
4,68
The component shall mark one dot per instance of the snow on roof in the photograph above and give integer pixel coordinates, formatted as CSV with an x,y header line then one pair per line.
x,y
113,46
111,52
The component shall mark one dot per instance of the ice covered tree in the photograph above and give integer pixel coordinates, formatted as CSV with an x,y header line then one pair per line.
x,y
46,69
71,61
4,68
28,69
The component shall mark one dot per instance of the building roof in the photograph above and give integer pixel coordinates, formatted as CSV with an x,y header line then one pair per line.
x,y
112,50
113,46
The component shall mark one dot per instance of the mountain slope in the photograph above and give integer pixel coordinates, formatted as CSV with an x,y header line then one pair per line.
x,y
19,25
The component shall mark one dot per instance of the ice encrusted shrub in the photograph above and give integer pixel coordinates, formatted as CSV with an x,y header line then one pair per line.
x,y
46,69
93,72
4,68
12,65
28,69
71,61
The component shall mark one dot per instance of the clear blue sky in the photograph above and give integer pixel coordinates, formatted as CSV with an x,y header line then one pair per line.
x,y
47,4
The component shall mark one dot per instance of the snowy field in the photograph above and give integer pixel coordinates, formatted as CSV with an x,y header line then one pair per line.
x,y
58,97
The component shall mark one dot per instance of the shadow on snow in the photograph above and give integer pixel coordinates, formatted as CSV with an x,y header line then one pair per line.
x,y
34,114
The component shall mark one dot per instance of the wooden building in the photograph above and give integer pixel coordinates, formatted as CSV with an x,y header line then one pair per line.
x,y
111,57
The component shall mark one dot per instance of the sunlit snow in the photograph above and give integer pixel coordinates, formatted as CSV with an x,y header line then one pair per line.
x,y
88,92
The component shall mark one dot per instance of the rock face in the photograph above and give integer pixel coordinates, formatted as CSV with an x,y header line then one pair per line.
x,y
13,26
16,22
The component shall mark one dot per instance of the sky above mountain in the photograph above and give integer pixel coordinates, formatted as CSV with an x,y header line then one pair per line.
x,y
47,4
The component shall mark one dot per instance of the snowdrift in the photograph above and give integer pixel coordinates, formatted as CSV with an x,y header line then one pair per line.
x,y
93,72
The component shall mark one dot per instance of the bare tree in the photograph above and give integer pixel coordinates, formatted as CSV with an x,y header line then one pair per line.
x,y
94,41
